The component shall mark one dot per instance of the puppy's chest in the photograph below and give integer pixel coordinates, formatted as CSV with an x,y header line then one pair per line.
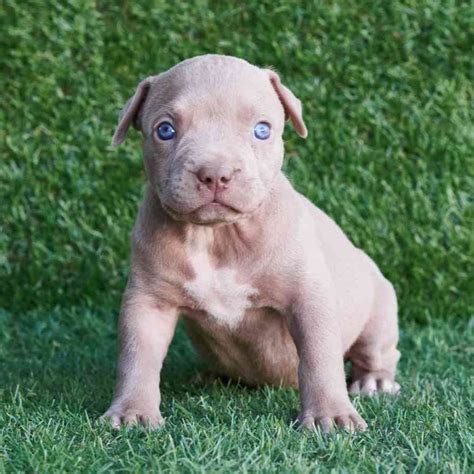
x,y
218,291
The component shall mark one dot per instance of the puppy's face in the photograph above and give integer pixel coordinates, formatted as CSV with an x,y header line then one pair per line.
x,y
212,131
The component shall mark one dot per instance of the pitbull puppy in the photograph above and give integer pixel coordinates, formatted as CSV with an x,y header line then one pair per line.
x,y
271,289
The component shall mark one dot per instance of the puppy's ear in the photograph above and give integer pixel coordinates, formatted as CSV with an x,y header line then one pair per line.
x,y
291,104
129,113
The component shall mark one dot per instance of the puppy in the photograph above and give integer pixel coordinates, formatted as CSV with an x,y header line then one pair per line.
x,y
271,289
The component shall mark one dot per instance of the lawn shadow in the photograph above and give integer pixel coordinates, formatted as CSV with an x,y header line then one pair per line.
x,y
66,358
69,356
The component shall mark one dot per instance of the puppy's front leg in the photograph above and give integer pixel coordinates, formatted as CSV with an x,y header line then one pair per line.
x,y
323,393
145,332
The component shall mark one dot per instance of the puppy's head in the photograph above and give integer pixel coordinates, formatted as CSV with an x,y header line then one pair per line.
x,y
212,128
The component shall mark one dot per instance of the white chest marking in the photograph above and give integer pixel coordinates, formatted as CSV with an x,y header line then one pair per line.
x,y
216,290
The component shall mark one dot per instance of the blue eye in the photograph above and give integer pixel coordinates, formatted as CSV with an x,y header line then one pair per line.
x,y
262,130
165,131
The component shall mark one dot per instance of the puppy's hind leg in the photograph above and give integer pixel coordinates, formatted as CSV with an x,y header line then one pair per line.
x,y
374,355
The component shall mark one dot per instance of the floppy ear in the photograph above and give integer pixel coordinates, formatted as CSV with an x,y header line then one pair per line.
x,y
291,104
130,112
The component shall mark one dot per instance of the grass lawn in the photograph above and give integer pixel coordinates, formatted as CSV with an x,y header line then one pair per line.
x,y
59,376
388,93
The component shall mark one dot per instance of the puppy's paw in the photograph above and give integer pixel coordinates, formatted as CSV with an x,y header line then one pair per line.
x,y
120,415
371,385
347,419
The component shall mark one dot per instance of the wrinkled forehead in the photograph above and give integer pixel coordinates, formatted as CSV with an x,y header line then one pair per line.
x,y
220,88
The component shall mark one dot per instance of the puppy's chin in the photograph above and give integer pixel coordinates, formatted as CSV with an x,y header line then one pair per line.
x,y
215,214
208,214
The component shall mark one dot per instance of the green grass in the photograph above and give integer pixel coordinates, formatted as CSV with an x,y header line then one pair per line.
x,y
388,94
59,376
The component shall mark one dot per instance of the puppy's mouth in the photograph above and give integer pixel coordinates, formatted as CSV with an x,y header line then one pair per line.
x,y
218,206
209,213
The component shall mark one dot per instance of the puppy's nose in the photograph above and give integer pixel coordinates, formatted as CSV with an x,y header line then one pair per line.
x,y
215,179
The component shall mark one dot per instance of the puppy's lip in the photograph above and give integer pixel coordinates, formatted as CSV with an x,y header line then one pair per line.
x,y
214,204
